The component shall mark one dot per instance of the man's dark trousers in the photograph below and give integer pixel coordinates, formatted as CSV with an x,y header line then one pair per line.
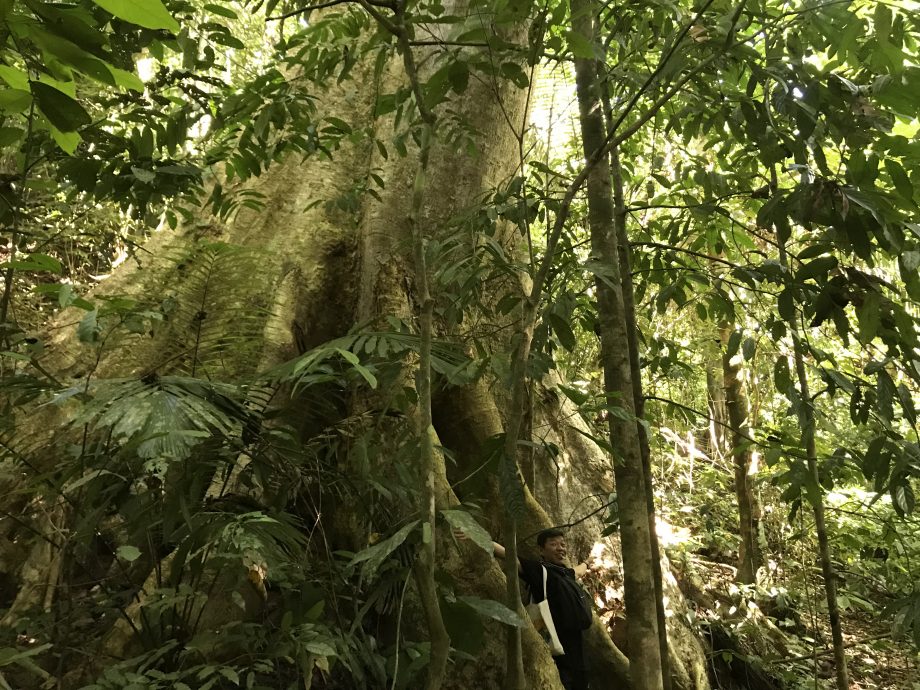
x,y
571,665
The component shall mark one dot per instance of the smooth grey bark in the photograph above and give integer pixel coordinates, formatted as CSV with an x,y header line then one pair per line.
x,y
632,330
638,571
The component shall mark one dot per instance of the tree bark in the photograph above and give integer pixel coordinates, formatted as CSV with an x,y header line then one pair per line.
x,y
736,405
641,609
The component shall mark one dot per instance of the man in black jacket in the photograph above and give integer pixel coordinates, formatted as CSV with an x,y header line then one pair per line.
x,y
569,604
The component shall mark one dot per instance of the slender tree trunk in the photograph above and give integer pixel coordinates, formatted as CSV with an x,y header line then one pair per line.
x,y
629,306
427,562
736,405
807,419
718,417
641,611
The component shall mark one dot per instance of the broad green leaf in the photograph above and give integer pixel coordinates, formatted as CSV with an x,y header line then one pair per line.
x,y
466,523
126,79
749,348
885,392
493,609
142,175
15,100
563,331
580,46
10,136
68,88
734,342
782,377
575,395
150,14
817,268
17,79
68,141
899,178
869,317
902,495
907,403
61,110
128,553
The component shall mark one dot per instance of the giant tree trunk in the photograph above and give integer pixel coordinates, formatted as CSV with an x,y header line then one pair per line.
x,y
324,270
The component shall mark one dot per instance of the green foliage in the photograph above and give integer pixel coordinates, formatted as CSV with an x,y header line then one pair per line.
x,y
792,127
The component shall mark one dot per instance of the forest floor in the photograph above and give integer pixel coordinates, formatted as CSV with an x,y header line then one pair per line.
x,y
764,642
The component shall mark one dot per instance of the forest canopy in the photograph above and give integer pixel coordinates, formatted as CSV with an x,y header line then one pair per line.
x,y
305,304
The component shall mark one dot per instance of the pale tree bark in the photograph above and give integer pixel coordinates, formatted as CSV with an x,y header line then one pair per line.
x,y
638,570
632,330
736,405
718,415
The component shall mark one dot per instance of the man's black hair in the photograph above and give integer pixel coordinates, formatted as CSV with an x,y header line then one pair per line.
x,y
548,534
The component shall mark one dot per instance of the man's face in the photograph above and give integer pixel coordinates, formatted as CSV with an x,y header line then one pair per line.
x,y
553,551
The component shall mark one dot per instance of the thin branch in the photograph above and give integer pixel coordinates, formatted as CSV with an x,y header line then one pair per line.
x,y
700,255
324,5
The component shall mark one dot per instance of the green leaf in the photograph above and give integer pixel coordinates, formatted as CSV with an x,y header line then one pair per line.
x,y
61,110
17,79
15,100
466,523
68,141
749,348
576,396
493,609
352,359
458,74
580,46
375,555
150,14
563,331
142,175
899,178
902,495
35,262
128,553
734,342
220,10
230,674
869,317
10,136
907,403
126,79
885,392
88,329
782,377
819,267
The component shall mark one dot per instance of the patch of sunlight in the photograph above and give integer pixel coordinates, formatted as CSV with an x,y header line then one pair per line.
x,y
600,558
755,463
669,535
146,69
906,129
864,496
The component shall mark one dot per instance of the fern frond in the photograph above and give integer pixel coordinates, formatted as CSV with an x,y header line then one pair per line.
x,y
163,417
216,312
